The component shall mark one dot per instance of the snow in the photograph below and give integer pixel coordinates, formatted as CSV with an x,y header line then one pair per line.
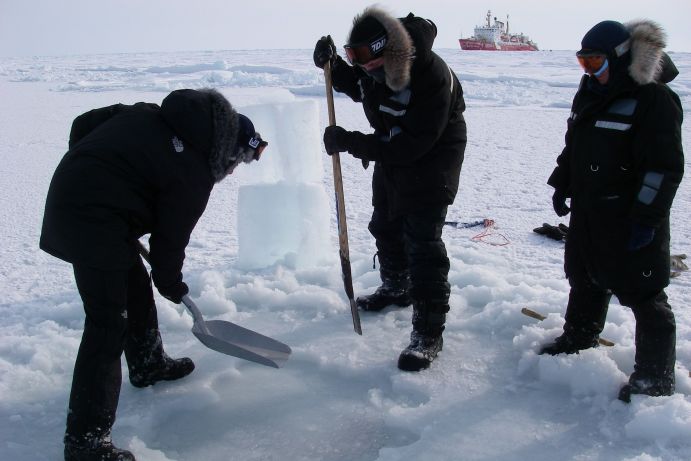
x,y
340,396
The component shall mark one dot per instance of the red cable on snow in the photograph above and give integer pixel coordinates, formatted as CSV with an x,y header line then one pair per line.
x,y
488,232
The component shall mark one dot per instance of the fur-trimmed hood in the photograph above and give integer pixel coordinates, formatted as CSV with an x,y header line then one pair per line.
x,y
205,119
648,41
399,49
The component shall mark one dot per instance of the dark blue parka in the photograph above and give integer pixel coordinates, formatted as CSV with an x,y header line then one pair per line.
x,y
622,164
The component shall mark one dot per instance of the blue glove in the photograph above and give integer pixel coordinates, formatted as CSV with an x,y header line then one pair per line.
x,y
336,139
559,203
641,236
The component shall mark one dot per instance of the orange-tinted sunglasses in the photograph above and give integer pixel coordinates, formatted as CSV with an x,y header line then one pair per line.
x,y
593,64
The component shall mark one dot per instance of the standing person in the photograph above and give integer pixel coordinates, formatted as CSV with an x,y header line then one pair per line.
x,y
621,167
415,104
130,171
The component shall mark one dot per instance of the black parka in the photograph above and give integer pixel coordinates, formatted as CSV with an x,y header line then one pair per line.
x,y
138,169
622,164
420,133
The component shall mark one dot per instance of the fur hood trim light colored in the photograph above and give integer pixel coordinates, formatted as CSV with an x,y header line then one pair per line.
x,y
648,41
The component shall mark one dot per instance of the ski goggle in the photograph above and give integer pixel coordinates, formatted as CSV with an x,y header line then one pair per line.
x,y
365,52
593,64
258,145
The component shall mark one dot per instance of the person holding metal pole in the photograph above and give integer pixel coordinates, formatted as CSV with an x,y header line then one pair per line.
x,y
132,170
414,102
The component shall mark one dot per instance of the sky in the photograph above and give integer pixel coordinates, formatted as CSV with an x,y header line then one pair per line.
x,y
47,27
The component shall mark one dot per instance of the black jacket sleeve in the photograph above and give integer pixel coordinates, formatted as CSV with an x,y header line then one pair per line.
x,y
658,156
345,79
560,178
425,120
178,209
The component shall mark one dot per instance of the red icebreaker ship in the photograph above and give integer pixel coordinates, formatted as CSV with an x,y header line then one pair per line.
x,y
496,37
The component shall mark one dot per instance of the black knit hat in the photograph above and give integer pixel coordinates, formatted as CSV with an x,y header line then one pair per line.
x,y
366,31
247,136
609,37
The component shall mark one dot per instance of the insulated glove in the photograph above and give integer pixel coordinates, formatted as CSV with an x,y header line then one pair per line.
x,y
336,139
324,51
559,203
553,232
174,292
641,236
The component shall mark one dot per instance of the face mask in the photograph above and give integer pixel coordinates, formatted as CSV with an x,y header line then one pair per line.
x,y
244,155
377,74
247,155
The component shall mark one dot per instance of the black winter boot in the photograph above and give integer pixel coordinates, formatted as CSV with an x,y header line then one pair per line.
x,y
655,349
426,339
585,318
647,385
393,291
94,449
167,370
568,344
421,351
149,364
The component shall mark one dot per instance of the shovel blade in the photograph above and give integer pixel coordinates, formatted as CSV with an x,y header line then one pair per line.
x,y
231,339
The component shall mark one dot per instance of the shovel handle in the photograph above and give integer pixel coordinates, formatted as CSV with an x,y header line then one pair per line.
x,y
143,251
196,314
186,300
344,251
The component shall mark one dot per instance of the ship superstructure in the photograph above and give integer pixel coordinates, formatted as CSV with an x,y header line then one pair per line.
x,y
496,37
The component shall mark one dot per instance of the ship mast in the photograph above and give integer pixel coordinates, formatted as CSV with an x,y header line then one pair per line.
x,y
507,24
489,15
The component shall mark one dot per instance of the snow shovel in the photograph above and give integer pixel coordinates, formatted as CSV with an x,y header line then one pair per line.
x,y
231,339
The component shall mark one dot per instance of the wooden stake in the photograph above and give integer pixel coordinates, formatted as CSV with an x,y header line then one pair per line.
x,y
535,315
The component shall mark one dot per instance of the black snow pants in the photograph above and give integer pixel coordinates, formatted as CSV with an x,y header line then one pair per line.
x,y
655,325
120,315
412,243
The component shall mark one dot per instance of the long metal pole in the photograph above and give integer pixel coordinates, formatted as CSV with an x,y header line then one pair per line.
x,y
344,252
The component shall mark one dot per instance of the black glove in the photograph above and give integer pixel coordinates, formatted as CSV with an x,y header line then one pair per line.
x,y
324,51
559,203
336,139
641,236
174,292
553,232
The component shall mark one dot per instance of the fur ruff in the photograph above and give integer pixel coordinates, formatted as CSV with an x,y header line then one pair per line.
x,y
399,50
648,41
226,125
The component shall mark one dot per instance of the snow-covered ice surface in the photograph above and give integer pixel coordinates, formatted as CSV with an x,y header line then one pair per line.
x,y
340,396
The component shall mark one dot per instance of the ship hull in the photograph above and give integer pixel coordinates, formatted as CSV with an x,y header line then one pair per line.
x,y
478,45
